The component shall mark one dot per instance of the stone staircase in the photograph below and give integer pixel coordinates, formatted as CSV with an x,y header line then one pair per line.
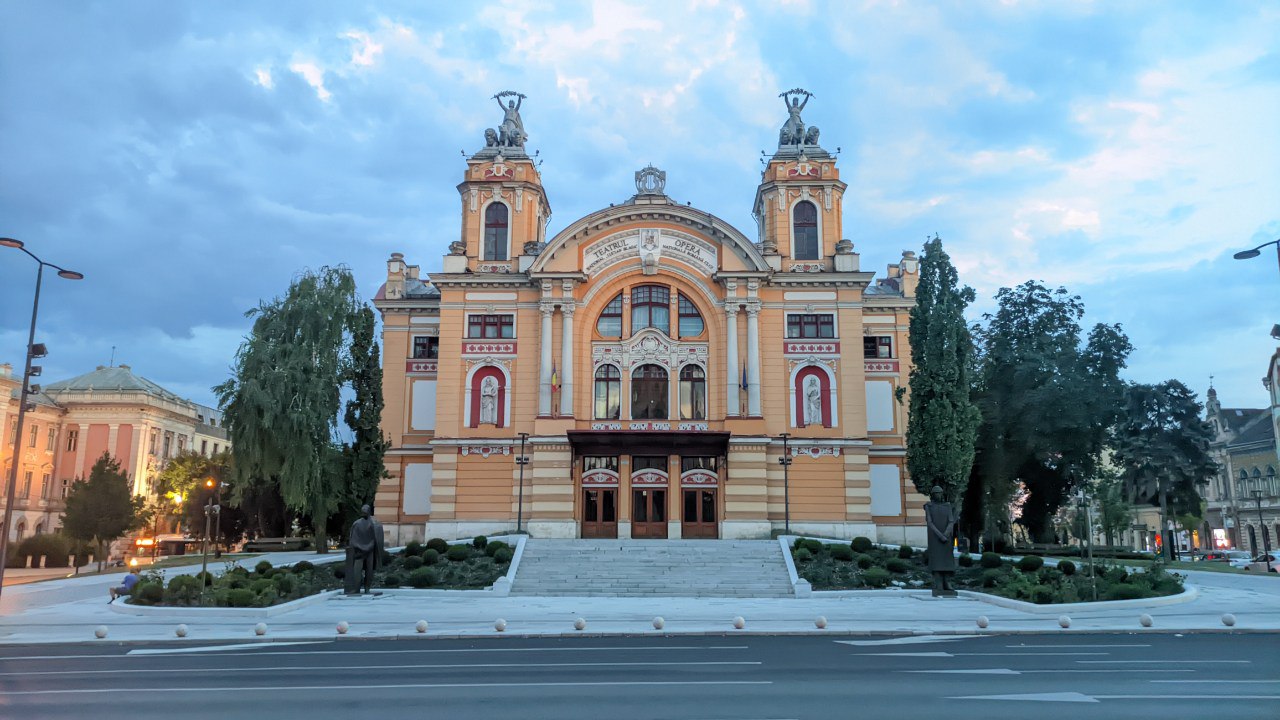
x,y
652,568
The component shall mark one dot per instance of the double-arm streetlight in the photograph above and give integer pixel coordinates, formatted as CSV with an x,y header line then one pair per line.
x,y
34,351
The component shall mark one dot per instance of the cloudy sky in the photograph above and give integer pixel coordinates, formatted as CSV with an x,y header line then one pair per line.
x,y
190,157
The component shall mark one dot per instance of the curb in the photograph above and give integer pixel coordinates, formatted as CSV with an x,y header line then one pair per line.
x,y
170,611
1188,594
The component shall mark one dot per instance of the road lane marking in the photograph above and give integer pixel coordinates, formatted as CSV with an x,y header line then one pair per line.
x,y
380,652
1215,682
1034,697
221,648
913,640
283,668
1076,646
995,654
1009,671
405,686
1162,662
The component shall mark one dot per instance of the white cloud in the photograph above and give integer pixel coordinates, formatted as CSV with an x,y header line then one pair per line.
x,y
263,77
314,75
366,51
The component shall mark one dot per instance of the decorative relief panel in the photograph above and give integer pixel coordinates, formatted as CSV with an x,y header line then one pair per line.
x,y
815,451
650,244
649,478
420,366
484,451
476,347
829,362
880,367
493,267
698,478
600,478
808,267
810,347
649,346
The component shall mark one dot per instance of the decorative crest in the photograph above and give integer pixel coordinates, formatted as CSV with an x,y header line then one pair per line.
x,y
651,181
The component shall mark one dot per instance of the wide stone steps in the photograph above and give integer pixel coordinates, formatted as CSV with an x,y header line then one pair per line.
x,y
652,568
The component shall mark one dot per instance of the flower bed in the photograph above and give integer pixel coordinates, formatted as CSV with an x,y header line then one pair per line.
x,y
861,565
437,564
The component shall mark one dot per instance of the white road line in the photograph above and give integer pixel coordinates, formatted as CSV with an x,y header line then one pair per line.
x,y
220,648
314,668
1188,697
1080,697
913,640
1076,646
1215,682
996,654
382,652
407,686
1163,662
1008,671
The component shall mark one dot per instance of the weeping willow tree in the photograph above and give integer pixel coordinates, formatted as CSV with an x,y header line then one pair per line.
x,y
281,405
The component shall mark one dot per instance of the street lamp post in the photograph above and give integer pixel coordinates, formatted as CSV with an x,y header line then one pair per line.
x,y
521,460
34,351
1266,546
785,462
1255,252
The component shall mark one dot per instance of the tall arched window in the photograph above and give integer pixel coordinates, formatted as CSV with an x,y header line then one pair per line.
x,y
690,321
693,393
649,393
650,307
608,393
495,232
610,323
804,231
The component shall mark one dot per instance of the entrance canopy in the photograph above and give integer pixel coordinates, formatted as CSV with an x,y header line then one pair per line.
x,y
617,442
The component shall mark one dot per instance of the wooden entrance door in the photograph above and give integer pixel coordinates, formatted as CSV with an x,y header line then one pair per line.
x,y
699,519
599,512
649,513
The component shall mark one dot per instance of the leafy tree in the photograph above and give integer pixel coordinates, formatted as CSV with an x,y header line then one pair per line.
x,y
942,423
103,508
281,406
183,489
1162,448
363,457
1047,401
1115,512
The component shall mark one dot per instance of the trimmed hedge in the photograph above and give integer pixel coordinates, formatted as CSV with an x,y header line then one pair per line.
x,y
424,577
303,566
412,562
861,544
966,560
503,555
52,546
430,557
479,541
905,552
494,546
438,544
241,598
865,561
876,578
1067,567
803,555
990,561
1030,563
459,553
413,548
897,566
262,567
842,553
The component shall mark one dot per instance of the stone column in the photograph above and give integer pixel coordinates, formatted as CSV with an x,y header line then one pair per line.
x,y
731,346
566,360
753,360
544,375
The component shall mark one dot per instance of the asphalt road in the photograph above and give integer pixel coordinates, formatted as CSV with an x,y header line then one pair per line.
x,y
739,678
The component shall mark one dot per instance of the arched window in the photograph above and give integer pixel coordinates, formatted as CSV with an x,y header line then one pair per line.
x,y
804,231
650,307
610,323
39,528
608,393
813,397
649,393
691,324
693,393
488,398
495,232
22,529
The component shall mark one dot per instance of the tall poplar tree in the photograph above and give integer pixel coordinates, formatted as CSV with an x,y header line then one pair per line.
x,y
281,406
363,456
942,424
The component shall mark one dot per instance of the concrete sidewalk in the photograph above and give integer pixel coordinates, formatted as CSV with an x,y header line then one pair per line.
x,y
74,616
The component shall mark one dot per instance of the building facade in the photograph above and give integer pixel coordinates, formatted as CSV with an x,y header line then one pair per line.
x,y
73,422
642,373
1243,500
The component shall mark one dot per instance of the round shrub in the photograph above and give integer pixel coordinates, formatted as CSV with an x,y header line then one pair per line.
x,y
147,593
803,555
285,584
204,575
1043,595
1030,563
843,553
905,552
865,562
1118,575
303,566
459,553
430,557
503,555
897,566
1125,591
235,582
861,544
392,580
966,560
340,572
182,589
413,548
817,547
1067,567
990,561
260,586
991,577
876,578
494,546
52,546
413,562
241,598
423,577
439,545
479,541
262,567
238,570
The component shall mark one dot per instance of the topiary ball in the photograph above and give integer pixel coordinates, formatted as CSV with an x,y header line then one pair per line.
x,y
438,544
413,548
413,562
843,553
905,552
303,566
865,561
897,566
262,567
861,544
430,557
990,560
1067,567
503,556
392,580
1030,563
423,578
803,555
479,541
966,560
459,553
876,578
494,546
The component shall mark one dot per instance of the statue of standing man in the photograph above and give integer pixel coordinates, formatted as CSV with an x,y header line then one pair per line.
x,y
364,553
940,521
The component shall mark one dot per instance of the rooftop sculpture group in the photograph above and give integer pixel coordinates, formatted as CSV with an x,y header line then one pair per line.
x,y
510,134
793,130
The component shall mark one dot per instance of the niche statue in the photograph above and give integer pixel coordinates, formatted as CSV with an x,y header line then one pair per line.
x,y
364,553
940,519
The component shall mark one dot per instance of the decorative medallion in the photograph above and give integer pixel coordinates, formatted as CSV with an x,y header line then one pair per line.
x,y
651,181
493,268
649,478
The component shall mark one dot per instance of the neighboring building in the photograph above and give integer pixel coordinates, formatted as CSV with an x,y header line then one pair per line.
x,y
1245,448
108,410
651,355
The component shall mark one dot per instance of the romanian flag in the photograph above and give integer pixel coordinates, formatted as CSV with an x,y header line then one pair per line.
x,y
555,378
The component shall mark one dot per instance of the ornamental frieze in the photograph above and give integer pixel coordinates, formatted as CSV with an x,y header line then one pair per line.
x,y
649,478
600,478
474,347
815,451
832,363
650,245
648,347
484,451
493,268
698,478
421,366
808,347
880,366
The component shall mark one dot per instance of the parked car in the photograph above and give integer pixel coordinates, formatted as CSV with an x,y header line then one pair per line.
x,y
1216,556
1259,563
1239,558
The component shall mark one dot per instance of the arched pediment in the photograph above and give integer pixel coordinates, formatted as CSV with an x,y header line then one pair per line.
x,y
654,231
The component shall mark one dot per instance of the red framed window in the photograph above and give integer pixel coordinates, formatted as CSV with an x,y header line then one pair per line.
x,y
877,346
822,325
491,326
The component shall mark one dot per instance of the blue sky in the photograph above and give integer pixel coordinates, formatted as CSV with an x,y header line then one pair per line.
x,y
189,158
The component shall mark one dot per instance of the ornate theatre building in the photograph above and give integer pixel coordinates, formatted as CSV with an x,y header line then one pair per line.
x,y
650,371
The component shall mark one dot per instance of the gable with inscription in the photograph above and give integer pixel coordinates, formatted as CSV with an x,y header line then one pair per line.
x,y
670,244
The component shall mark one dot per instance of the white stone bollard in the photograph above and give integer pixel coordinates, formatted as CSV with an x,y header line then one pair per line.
x,y
343,627
180,631
44,559
1064,621
260,629
1145,620
500,625
100,631
421,626
658,622
739,623
820,623
983,622
579,624
1229,620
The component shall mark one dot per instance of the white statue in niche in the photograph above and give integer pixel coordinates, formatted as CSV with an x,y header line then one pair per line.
x,y
489,401
812,401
